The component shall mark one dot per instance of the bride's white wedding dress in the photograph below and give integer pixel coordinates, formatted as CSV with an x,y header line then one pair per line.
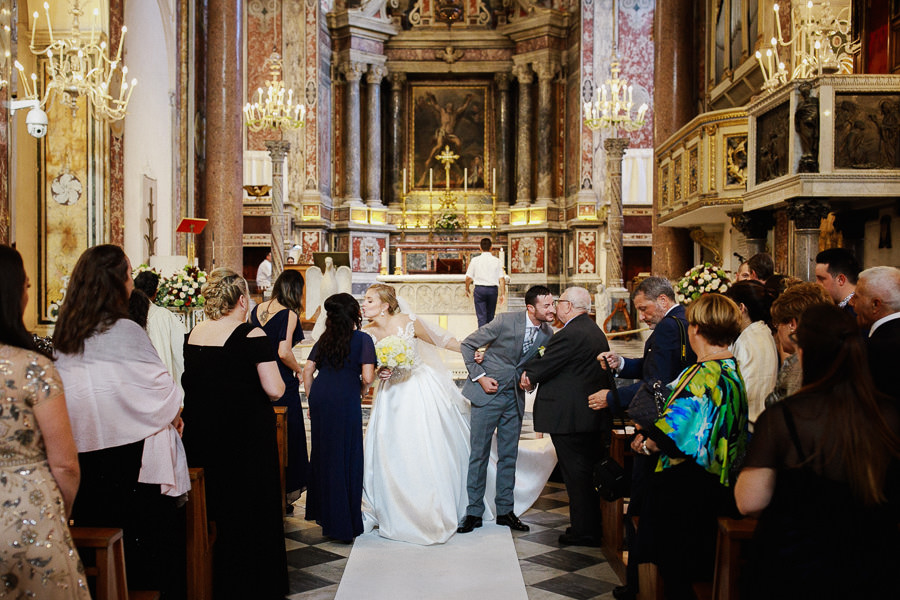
x,y
416,455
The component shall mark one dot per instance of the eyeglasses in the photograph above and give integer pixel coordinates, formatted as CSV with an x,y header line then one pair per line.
x,y
558,302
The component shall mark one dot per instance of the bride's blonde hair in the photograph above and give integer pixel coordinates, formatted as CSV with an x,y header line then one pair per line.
x,y
388,295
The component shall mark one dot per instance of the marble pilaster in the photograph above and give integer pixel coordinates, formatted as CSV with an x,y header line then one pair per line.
x,y
546,71
503,138
615,221
278,150
524,194
398,84
807,215
116,142
373,135
353,72
222,242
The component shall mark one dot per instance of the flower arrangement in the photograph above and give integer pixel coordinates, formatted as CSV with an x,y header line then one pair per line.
x,y
394,352
448,221
144,267
700,280
182,289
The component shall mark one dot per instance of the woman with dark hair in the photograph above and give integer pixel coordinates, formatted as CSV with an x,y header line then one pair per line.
x,y
345,359
701,437
279,318
230,381
754,349
39,462
823,470
165,329
125,410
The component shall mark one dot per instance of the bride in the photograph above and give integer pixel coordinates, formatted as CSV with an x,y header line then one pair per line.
x,y
417,442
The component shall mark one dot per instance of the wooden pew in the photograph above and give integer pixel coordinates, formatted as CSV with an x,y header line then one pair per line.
x,y
731,541
281,434
106,547
613,513
199,540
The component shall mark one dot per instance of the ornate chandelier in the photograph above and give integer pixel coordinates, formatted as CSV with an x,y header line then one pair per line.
x,y
274,109
613,107
80,66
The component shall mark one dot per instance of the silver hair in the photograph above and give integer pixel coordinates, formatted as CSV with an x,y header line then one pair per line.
x,y
883,283
580,298
654,287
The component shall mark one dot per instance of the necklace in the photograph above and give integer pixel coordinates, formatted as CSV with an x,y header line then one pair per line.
x,y
706,357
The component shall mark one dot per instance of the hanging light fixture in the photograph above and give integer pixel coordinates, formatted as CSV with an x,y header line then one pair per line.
x,y
80,65
274,108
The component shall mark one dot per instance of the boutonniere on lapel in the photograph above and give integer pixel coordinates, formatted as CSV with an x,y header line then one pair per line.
x,y
541,351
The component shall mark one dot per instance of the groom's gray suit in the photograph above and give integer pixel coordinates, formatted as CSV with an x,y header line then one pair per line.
x,y
503,410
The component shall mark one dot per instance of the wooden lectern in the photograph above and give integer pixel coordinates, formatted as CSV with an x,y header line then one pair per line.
x,y
191,226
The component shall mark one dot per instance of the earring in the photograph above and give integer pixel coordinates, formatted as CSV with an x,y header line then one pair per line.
x,y
382,312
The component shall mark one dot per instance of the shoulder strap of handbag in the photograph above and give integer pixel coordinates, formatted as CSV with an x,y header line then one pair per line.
x,y
684,381
682,334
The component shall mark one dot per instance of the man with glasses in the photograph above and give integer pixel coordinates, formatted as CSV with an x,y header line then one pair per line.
x,y
567,373
877,306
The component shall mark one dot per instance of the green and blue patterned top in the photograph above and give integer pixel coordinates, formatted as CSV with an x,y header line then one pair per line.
x,y
707,419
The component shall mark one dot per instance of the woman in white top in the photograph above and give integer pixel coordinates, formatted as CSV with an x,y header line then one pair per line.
x,y
754,349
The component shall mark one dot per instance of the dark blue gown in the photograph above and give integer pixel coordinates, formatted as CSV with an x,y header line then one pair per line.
x,y
334,498
296,471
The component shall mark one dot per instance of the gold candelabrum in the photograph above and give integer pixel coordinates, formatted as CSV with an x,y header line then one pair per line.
x,y
447,202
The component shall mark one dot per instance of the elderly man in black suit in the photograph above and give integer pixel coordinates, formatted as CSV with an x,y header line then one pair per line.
x,y
877,305
566,371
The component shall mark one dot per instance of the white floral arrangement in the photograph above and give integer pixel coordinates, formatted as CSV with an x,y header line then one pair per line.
x,y
182,290
448,221
701,280
394,352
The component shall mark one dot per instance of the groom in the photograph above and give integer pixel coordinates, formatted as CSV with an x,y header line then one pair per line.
x,y
497,401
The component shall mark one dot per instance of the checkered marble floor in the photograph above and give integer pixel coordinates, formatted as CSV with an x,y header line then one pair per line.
x,y
550,571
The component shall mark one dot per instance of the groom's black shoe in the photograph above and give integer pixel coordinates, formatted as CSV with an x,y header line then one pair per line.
x,y
470,523
512,521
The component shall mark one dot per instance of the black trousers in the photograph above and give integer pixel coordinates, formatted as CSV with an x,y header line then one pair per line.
x,y
485,297
577,454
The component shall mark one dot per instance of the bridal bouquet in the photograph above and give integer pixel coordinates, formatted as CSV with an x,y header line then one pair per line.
x,y
699,280
394,352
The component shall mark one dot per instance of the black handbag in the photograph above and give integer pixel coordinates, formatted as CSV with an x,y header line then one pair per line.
x,y
610,480
648,403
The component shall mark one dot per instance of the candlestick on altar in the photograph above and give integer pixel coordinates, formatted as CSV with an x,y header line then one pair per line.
x,y
398,270
430,180
494,182
384,261
404,182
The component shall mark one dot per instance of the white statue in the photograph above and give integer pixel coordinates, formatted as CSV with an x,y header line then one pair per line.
x,y
320,286
602,304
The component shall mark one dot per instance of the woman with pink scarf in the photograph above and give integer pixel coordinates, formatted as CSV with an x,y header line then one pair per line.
x,y
125,412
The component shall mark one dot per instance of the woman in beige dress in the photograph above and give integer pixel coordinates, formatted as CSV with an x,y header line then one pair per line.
x,y
38,461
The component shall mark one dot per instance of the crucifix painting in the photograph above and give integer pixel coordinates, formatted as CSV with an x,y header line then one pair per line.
x,y
449,116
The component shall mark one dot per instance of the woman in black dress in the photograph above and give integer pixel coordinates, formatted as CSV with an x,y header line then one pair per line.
x,y
278,317
230,380
823,470
345,359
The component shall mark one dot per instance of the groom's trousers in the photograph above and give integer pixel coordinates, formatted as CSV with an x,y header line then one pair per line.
x,y
502,414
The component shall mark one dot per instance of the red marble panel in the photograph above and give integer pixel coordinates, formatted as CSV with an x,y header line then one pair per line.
x,y
342,244
587,66
587,252
559,149
637,224
337,160
527,254
4,171
263,32
365,256
116,145
309,242
636,49
314,129
553,255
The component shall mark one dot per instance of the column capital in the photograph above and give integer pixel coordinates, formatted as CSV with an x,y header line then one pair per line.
x,y
807,213
523,73
502,80
755,225
376,73
278,149
546,69
353,71
398,80
615,147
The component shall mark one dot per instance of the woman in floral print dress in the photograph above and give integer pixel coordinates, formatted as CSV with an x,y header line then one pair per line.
x,y
38,461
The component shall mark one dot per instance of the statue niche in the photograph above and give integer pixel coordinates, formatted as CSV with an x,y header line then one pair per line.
x,y
806,123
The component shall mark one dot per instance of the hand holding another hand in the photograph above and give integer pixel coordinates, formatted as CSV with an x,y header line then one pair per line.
x,y
488,384
525,383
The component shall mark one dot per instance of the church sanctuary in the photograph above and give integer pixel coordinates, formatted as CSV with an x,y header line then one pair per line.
x,y
318,148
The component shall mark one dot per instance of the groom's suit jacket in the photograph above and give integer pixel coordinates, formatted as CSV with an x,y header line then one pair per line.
x,y
503,361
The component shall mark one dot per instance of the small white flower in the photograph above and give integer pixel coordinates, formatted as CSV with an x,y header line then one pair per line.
x,y
182,295
690,288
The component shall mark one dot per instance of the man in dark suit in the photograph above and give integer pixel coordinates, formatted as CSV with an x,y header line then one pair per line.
x,y
566,374
877,305
498,403
837,271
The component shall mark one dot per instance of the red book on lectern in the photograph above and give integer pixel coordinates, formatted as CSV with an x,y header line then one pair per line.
x,y
189,225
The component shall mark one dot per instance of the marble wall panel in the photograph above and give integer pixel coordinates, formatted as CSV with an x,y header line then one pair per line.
x,y
554,255
116,224
365,253
527,254
310,241
264,35
587,252
586,176
636,50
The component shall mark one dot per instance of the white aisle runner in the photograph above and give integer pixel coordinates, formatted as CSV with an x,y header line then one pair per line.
x,y
481,564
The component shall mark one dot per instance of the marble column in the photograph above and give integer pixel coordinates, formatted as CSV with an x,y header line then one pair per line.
x,y
503,140
373,135
222,241
353,72
615,222
673,105
807,215
545,72
755,226
523,135
398,83
278,150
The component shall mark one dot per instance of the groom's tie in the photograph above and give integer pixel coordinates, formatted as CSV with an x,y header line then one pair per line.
x,y
530,334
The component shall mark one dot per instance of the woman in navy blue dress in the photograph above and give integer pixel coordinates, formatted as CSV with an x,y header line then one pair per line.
x,y
345,359
278,317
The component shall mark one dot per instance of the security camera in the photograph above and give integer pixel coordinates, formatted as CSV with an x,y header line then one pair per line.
x,y
36,121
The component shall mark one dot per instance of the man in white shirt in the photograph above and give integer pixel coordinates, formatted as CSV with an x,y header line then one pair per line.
x,y
486,272
165,329
264,276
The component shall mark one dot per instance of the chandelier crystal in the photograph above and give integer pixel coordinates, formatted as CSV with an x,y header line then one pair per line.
x,y
80,65
274,108
613,107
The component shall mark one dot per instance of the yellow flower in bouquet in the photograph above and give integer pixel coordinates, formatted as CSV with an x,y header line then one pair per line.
x,y
394,352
